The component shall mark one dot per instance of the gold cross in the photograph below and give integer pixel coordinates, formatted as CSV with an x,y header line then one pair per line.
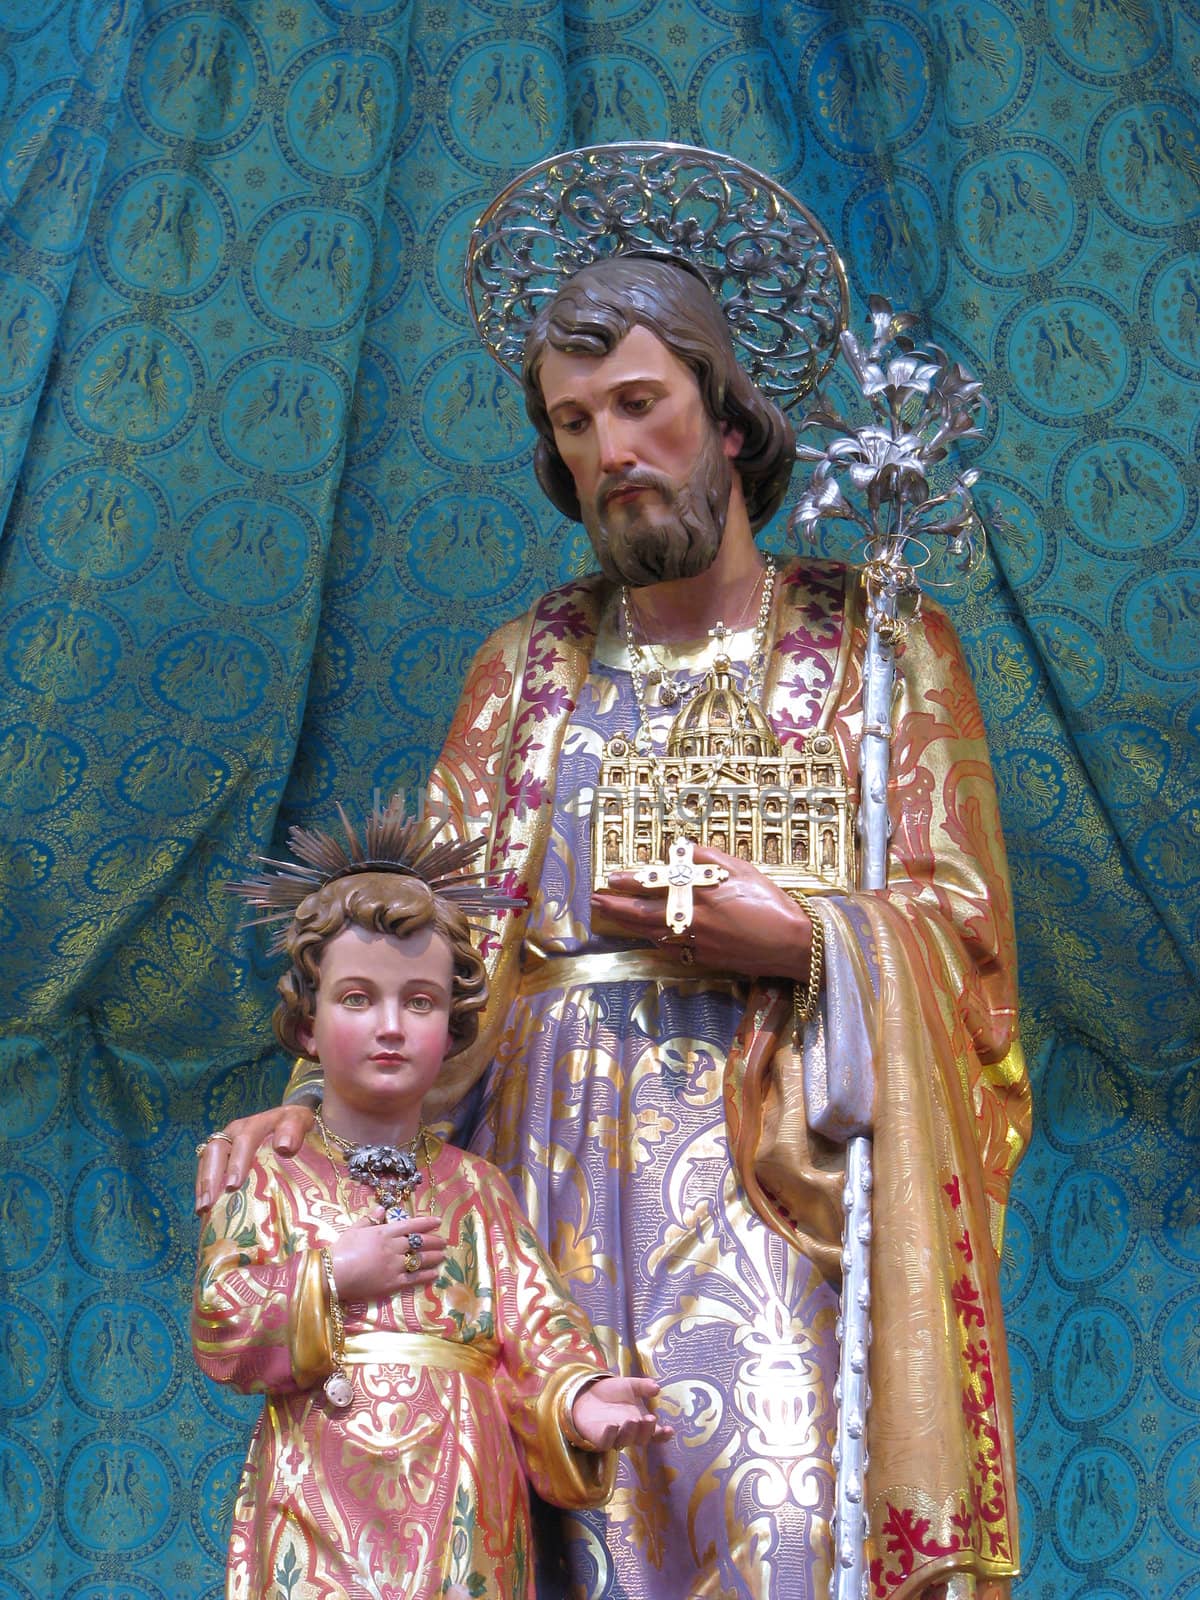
x,y
680,874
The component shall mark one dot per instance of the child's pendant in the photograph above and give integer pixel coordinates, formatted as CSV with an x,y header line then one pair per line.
x,y
392,1174
395,1198
339,1390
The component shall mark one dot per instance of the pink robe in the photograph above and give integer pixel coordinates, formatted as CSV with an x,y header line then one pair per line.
x,y
419,1488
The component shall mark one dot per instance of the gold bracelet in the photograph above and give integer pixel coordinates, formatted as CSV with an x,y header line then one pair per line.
x,y
337,1385
805,1001
335,1307
566,1407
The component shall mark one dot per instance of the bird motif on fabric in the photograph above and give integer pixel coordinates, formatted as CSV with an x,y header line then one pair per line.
x,y
368,114
294,259
136,1493
1083,346
1046,356
887,72
487,96
841,92
1105,495
503,404
1090,1358
114,370
459,401
1028,197
1067,656
1086,16
1137,160
263,406
308,417
1142,484
169,224
103,1358
185,65
993,208
221,74
882,245
1089,1218
1187,316
629,106
326,105
1189,1356
16,1216
337,265
18,1355
1177,151
17,337
187,236
587,106
532,94
974,42
155,220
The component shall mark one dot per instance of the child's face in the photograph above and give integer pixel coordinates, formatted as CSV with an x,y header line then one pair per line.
x,y
381,1026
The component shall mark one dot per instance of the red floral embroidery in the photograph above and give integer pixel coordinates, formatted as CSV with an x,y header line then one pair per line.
x,y
906,1536
967,1303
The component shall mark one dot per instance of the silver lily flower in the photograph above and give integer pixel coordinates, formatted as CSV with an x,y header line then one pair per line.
x,y
878,474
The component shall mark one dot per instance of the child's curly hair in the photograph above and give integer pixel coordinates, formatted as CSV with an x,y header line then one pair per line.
x,y
380,902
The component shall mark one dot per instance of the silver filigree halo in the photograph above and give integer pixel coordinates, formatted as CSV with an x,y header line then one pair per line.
x,y
770,263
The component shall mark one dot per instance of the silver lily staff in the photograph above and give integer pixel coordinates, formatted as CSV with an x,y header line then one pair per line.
x,y
922,403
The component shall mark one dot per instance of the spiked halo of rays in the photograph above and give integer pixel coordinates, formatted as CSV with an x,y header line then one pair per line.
x,y
390,842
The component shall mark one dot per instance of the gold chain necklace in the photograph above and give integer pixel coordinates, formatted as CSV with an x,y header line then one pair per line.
x,y
671,691
392,1173
643,740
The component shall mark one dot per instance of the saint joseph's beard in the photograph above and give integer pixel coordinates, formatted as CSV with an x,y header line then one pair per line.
x,y
677,537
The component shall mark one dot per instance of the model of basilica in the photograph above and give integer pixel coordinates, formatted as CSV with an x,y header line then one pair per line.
x,y
725,781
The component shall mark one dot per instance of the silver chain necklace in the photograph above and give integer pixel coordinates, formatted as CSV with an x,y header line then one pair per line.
x,y
671,690
643,738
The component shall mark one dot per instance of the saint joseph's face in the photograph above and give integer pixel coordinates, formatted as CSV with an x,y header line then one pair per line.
x,y
652,471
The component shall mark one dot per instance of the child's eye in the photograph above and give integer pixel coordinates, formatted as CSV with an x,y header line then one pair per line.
x,y
356,1000
420,1002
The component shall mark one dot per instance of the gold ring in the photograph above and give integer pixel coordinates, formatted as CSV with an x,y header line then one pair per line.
x,y
202,1147
227,1137
412,1261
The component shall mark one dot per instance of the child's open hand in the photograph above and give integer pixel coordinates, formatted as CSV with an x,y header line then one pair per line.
x,y
368,1259
612,1412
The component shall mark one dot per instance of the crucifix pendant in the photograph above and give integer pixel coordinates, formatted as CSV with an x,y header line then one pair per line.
x,y
681,875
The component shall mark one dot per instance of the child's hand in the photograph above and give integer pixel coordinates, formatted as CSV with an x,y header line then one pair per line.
x,y
368,1259
612,1412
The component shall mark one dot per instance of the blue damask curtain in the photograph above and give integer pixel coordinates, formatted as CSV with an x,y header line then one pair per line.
x,y
263,495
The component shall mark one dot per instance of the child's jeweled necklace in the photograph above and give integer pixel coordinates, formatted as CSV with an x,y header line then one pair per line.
x,y
392,1173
